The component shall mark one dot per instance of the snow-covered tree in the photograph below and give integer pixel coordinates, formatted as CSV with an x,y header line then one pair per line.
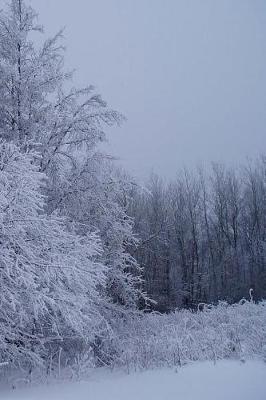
x,y
65,126
49,276
99,198
35,106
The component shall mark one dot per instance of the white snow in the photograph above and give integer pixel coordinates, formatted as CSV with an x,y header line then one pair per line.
x,y
227,380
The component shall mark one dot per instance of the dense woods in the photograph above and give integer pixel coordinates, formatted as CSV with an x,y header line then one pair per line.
x,y
202,236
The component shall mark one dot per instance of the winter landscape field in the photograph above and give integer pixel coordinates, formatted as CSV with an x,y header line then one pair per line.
x,y
132,242
225,380
219,351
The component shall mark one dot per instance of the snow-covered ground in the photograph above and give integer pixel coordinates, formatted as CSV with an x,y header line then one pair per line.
x,y
227,380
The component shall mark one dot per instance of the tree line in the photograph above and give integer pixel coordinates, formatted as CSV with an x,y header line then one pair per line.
x,y
203,235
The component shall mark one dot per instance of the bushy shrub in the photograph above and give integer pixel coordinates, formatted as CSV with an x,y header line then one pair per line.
x,y
217,332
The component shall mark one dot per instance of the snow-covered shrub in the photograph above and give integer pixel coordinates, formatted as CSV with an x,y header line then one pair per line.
x,y
218,332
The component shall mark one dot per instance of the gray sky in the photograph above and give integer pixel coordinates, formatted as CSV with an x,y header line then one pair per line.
x,y
190,75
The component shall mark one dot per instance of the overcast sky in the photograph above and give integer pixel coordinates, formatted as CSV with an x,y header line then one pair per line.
x,y
190,76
